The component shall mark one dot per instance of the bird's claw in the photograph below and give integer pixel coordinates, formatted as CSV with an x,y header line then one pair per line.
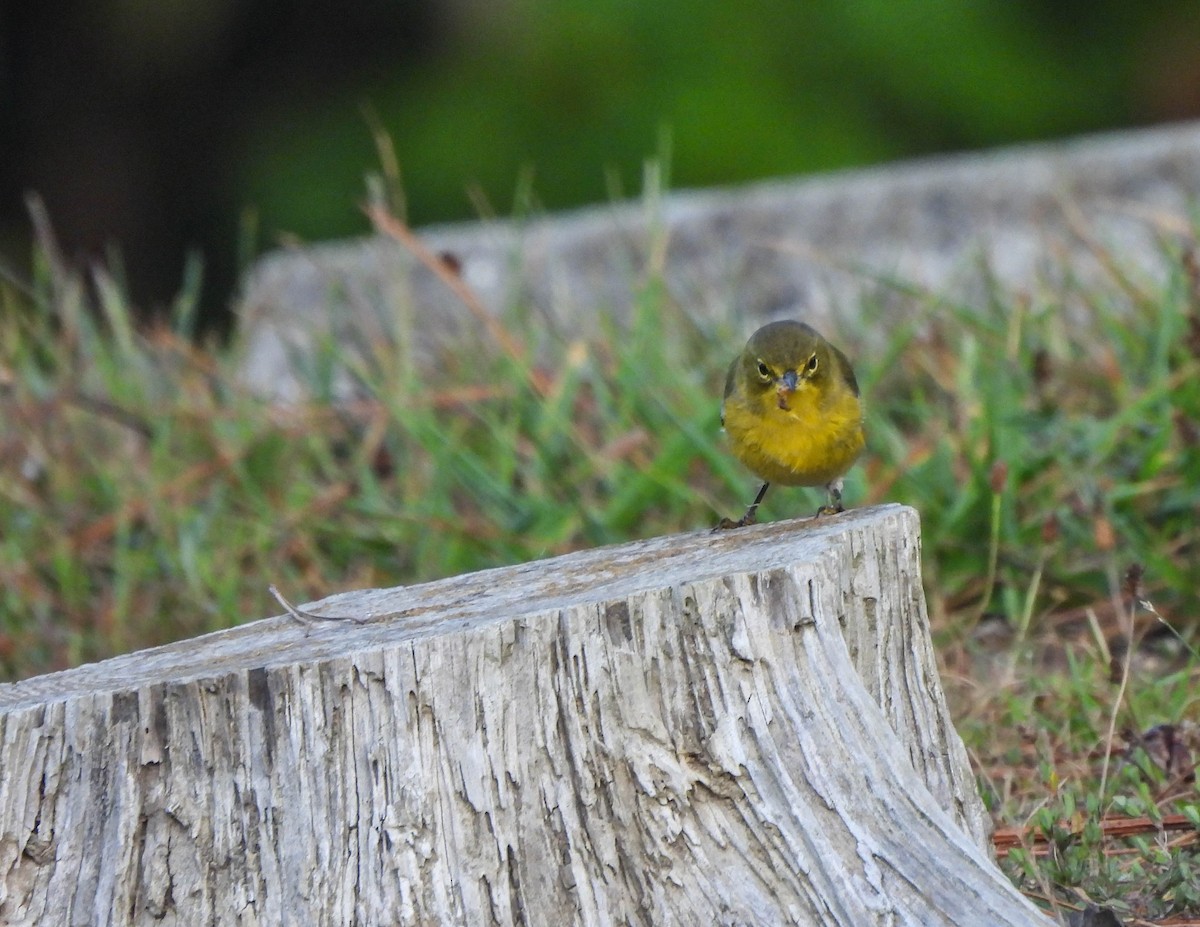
x,y
725,524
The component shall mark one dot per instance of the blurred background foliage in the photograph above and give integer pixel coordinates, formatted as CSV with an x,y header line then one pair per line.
x,y
159,128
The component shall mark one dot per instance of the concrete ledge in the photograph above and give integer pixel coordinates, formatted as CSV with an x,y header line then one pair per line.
x,y
810,247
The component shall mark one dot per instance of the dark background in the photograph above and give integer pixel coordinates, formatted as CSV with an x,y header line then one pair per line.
x,y
154,129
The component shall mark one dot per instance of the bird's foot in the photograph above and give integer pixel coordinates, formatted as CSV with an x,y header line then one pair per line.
x,y
834,505
749,518
725,524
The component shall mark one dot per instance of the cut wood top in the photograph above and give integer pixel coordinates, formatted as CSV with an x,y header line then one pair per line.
x,y
461,602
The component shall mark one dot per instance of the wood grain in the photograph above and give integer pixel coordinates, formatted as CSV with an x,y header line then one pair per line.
x,y
743,728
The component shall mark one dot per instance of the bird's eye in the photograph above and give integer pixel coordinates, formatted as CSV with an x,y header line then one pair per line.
x,y
764,371
811,366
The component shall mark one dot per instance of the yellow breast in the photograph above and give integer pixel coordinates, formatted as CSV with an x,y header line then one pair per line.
x,y
812,442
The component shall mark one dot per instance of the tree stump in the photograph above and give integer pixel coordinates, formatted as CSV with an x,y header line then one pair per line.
x,y
739,728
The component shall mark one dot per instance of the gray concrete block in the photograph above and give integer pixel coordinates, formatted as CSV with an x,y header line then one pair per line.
x,y
810,247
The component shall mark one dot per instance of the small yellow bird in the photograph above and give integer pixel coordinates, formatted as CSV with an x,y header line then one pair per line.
x,y
792,413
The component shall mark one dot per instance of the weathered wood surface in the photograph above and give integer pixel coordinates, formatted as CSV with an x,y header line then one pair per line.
x,y
743,728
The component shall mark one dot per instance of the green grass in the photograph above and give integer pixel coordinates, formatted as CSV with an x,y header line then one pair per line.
x,y
1050,439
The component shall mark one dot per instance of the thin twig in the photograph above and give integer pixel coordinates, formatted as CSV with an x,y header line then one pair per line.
x,y
306,618
1149,606
1008,838
1133,578
387,224
106,408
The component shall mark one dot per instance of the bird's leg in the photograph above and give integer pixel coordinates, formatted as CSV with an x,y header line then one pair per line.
x,y
749,518
834,505
751,515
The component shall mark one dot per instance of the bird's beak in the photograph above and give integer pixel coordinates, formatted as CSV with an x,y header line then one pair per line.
x,y
784,387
